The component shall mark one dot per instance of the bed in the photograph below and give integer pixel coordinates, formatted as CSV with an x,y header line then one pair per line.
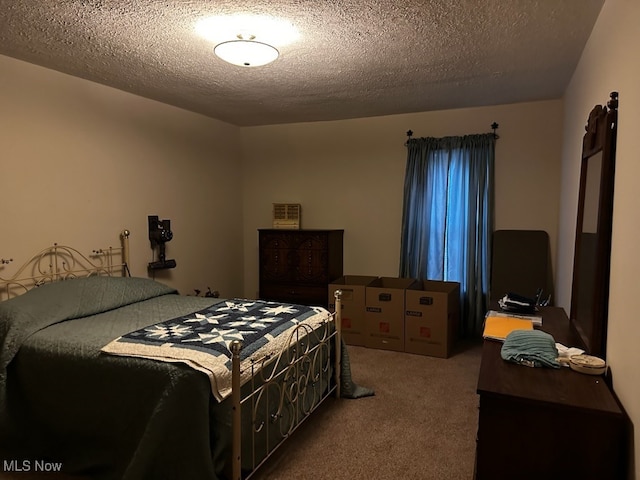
x,y
70,403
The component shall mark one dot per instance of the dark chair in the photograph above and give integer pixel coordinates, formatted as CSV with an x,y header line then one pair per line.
x,y
521,263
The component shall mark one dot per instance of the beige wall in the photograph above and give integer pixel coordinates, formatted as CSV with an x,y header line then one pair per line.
x,y
81,162
349,174
609,63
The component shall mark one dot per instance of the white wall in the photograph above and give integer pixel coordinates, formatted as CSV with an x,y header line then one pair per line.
x,y
610,63
81,162
349,174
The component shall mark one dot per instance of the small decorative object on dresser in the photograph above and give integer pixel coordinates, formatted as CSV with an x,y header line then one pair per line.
x,y
298,265
287,215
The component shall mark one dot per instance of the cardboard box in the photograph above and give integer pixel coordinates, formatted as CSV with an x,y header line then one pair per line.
x,y
384,312
432,314
353,294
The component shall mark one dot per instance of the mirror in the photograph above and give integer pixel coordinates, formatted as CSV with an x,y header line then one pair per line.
x,y
592,254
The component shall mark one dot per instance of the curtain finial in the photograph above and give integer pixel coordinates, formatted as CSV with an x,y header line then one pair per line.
x,y
494,127
409,133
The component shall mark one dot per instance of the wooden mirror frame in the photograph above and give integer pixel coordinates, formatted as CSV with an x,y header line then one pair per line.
x,y
592,254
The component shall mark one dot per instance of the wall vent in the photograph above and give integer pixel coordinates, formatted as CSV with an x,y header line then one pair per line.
x,y
287,215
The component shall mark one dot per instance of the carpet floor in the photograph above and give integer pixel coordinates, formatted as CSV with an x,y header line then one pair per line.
x,y
421,423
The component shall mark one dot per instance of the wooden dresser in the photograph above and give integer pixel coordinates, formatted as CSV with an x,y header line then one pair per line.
x,y
297,266
539,423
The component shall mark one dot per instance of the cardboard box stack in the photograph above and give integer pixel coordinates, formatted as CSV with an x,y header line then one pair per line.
x,y
401,314
431,319
384,312
353,306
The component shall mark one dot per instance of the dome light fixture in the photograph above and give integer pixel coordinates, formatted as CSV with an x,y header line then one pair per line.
x,y
246,52
234,37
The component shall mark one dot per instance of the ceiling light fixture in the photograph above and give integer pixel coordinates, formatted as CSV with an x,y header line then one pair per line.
x,y
234,37
246,52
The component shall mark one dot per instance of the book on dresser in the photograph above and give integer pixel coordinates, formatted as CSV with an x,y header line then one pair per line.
x,y
497,327
296,266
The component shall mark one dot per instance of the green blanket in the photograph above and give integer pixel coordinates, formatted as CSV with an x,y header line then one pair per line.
x,y
103,416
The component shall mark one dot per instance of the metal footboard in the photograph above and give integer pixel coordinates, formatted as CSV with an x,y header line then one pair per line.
x,y
285,389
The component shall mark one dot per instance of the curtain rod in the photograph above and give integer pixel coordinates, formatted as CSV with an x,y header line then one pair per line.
x,y
494,127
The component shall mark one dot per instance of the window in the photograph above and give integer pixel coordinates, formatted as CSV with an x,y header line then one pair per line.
x,y
447,218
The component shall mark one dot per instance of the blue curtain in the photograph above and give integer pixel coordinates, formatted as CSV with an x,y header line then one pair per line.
x,y
447,218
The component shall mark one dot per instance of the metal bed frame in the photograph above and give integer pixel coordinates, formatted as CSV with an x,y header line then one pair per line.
x,y
305,380
60,262
307,357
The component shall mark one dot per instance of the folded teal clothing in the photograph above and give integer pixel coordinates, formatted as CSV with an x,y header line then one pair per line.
x,y
533,348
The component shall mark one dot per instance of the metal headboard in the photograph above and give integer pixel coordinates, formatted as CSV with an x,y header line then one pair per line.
x,y
60,262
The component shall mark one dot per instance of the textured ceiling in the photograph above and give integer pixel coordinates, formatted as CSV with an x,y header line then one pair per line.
x,y
353,58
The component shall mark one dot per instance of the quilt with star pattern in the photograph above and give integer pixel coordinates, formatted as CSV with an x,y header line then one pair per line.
x,y
203,339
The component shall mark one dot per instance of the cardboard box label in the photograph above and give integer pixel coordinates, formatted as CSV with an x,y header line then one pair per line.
x,y
346,323
374,309
384,327
413,313
425,332
426,300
